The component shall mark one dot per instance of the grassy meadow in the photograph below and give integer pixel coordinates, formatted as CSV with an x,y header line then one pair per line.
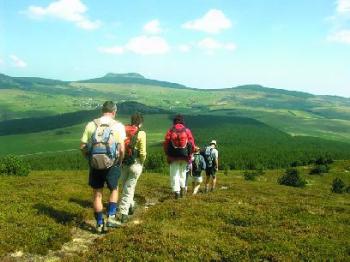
x,y
48,212
241,220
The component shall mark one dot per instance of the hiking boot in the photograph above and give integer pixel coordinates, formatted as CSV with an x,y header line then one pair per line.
x,y
131,210
99,228
112,222
183,192
177,195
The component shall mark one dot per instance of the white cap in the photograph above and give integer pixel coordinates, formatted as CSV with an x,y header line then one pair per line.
x,y
213,142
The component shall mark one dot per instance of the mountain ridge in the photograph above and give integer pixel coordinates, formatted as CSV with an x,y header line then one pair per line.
x,y
136,78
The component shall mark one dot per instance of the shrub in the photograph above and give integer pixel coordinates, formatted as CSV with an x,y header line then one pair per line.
x,y
292,178
347,189
252,174
296,163
249,175
338,186
319,169
324,160
13,166
156,162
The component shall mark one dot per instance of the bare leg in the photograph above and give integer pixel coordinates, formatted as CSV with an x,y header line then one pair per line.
x,y
195,191
97,201
114,196
207,181
213,183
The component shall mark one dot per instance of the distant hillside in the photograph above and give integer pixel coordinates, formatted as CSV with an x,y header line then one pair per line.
x,y
297,113
132,78
7,82
27,82
274,91
30,125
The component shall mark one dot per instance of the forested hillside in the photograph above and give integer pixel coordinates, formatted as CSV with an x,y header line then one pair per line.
x,y
296,113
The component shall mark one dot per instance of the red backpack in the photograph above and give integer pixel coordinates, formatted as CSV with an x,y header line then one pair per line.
x,y
131,153
178,145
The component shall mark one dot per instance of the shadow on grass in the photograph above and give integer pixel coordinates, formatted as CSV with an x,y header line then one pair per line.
x,y
139,199
82,202
60,216
64,217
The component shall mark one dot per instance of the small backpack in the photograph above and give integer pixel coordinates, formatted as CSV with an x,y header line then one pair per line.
x,y
131,153
209,157
178,145
197,163
103,149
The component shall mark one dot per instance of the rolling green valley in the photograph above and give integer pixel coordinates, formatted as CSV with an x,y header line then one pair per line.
x,y
259,130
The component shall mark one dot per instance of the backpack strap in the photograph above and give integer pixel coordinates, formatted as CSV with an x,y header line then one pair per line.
x,y
134,139
97,122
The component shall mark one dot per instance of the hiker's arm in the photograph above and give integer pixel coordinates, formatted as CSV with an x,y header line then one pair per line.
x,y
84,149
217,160
121,152
85,138
166,142
204,165
142,146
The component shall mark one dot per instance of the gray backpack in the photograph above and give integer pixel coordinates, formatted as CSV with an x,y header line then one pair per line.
x,y
103,149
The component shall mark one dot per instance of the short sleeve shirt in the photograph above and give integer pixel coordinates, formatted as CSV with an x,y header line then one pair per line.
x,y
117,128
215,152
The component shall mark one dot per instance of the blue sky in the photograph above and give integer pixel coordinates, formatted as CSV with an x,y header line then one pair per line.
x,y
297,45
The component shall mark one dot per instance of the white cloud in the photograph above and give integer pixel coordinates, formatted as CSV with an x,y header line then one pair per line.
x,y
343,7
152,27
340,32
68,10
148,45
342,36
184,48
17,62
212,22
210,44
230,46
142,45
114,50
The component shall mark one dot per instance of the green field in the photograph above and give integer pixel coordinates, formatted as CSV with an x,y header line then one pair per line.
x,y
243,143
296,113
242,220
69,137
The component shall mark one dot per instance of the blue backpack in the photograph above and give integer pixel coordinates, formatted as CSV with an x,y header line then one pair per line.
x,y
103,150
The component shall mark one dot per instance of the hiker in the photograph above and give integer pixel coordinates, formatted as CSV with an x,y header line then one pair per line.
x,y
211,156
198,165
102,144
188,174
178,146
135,156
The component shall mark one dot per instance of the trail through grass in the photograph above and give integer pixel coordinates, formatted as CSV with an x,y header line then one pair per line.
x,y
241,220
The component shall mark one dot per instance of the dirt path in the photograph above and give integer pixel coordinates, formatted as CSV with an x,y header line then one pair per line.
x,y
84,235
82,238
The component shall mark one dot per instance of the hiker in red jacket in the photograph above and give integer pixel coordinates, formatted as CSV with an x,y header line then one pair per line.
x,y
178,146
